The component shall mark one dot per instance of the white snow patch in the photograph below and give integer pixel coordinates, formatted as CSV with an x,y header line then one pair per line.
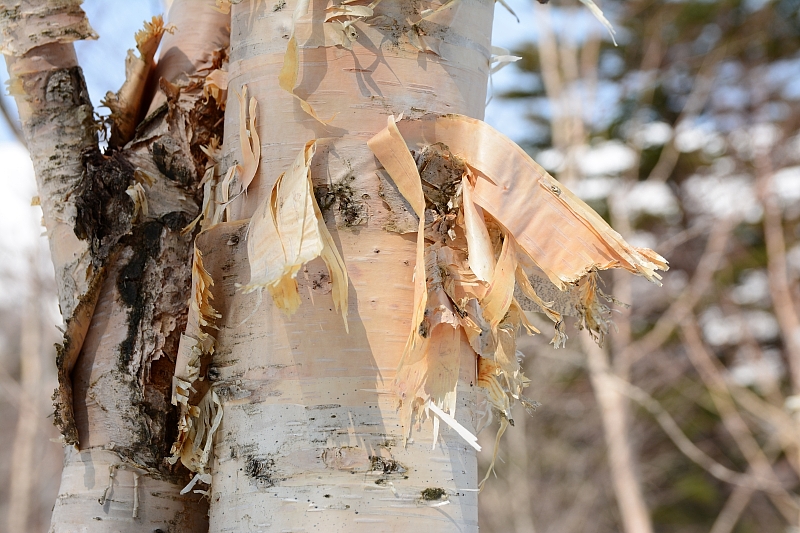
x,y
751,370
595,188
652,198
762,325
792,149
606,158
786,185
764,135
753,289
551,159
691,137
653,134
723,166
720,330
793,260
642,239
722,197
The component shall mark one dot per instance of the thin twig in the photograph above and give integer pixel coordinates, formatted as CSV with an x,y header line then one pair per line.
x,y
676,240
708,265
780,421
703,83
740,497
779,287
731,418
686,446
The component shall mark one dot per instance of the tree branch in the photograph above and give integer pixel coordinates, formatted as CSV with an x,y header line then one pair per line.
x,y
701,281
686,446
731,419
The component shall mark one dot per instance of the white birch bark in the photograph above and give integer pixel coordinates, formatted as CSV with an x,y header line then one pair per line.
x,y
310,438
56,117
123,270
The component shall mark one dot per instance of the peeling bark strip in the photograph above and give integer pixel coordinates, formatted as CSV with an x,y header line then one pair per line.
x,y
473,262
126,105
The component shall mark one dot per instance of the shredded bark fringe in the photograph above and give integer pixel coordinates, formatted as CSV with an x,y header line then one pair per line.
x,y
495,230
197,423
212,209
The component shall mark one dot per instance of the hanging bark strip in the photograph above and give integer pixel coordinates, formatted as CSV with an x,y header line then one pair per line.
x,y
525,203
126,104
286,232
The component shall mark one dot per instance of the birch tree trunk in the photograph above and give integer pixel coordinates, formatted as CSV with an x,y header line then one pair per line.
x,y
310,438
123,267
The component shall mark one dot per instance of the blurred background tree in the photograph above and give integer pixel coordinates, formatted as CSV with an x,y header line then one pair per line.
x,y
685,137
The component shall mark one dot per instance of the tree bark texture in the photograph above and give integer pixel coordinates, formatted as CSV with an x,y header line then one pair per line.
x,y
123,266
310,438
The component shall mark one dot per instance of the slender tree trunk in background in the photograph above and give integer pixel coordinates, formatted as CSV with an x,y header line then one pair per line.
x,y
568,71
779,285
30,414
613,410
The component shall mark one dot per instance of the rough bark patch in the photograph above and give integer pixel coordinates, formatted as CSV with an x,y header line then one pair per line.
x,y
146,245
341,194
104,210
433,493
262,471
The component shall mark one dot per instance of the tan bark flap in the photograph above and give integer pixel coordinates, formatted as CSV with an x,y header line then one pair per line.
x,y
468,264
287,231
564,236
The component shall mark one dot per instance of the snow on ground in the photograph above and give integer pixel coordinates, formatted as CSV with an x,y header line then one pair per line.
x,y
723,196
